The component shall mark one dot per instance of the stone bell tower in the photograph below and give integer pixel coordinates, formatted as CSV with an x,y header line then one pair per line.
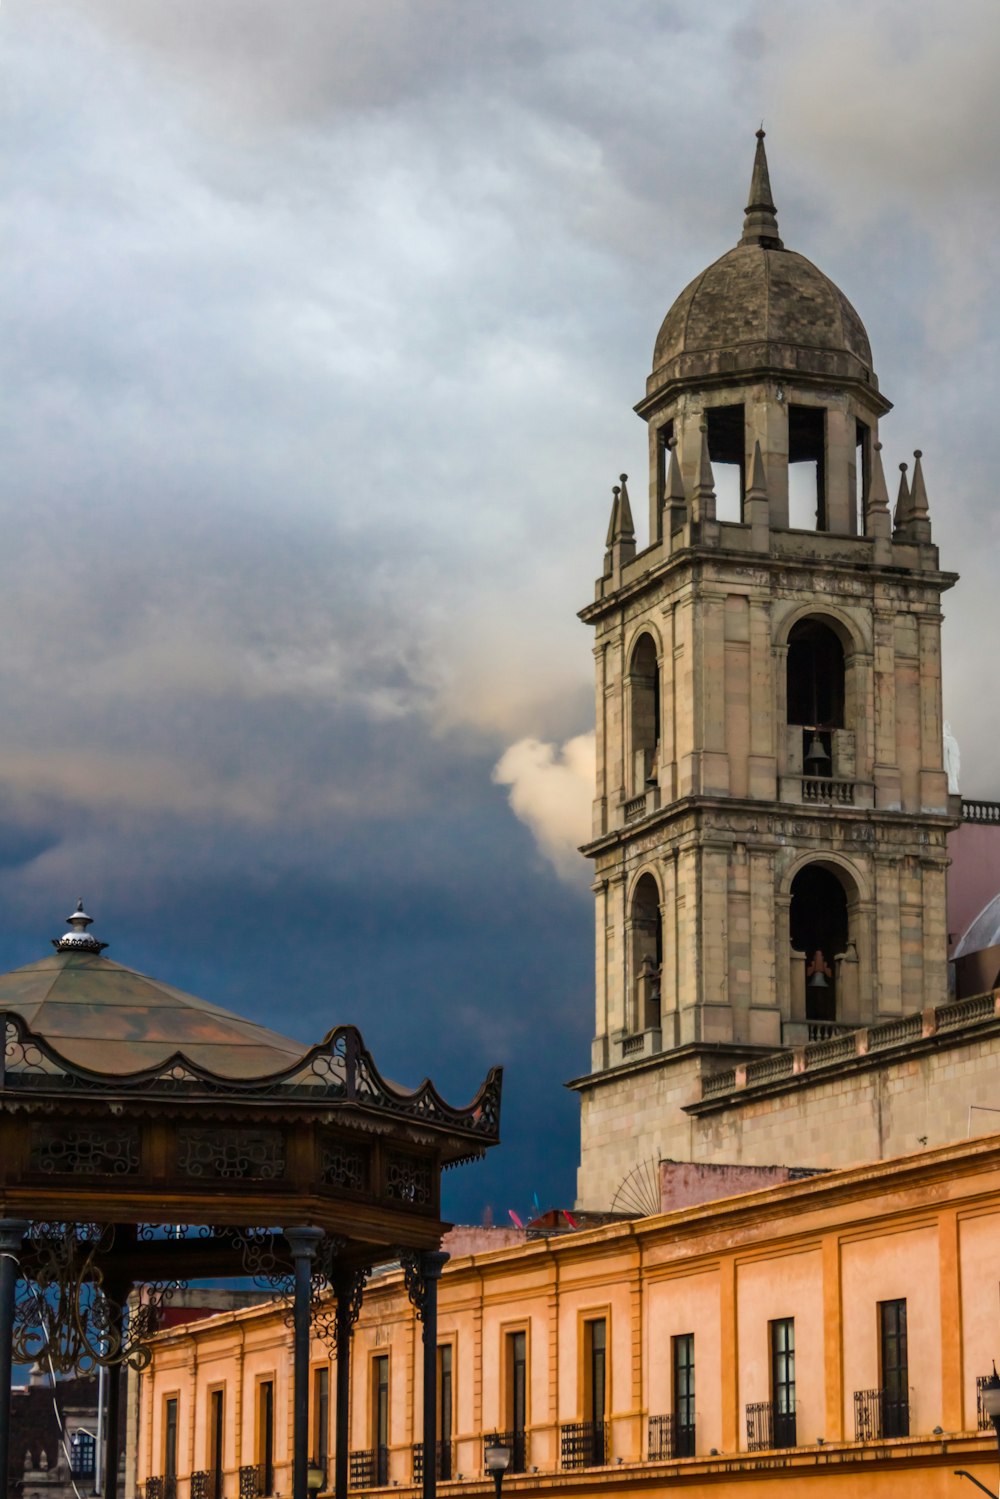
x,y
771,809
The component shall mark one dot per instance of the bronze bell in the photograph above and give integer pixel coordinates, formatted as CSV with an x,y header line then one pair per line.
x,y
816,756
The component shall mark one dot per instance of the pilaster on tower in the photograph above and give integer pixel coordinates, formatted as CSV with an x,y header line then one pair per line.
x,y
771,803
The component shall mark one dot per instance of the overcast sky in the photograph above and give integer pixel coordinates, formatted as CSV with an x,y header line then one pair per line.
x,y
322,325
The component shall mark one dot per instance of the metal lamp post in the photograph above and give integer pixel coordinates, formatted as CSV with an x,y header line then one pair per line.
x,y
498,1461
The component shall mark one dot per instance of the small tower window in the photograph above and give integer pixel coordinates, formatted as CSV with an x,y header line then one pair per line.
x,y
818,927
727,450
862,473
644,716
807,468
647,953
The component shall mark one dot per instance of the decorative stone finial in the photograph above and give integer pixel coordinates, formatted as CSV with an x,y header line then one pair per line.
x,y
78,939
760,227
626,526
901,514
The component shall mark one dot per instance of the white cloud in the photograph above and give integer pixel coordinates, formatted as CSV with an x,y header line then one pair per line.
x,y
551,791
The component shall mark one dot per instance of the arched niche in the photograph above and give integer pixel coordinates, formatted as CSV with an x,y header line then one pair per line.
x,y
643,713
646,941
823,944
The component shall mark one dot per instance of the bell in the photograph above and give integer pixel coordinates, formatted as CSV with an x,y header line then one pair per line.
x,y
818,980
816,756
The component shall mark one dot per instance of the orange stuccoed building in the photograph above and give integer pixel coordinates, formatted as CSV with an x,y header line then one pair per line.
x,y
783,1267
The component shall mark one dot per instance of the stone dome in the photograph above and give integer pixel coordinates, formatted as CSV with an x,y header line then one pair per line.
x,y
761,306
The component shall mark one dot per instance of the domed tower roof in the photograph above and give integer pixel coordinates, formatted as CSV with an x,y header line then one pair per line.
x,y
761,307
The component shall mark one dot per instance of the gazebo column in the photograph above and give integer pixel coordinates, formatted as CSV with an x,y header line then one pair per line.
x,y
422,1273
348,1287
303,1243
12,1232
117,1297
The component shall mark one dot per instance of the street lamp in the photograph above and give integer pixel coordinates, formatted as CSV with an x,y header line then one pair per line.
x,y
498,1461
991,1400
990,1395
316,1477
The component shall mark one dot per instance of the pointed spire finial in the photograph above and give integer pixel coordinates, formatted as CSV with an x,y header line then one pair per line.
x,y
613,522
760,227
758,478
919,508
901,514
675,492
626,526
878,490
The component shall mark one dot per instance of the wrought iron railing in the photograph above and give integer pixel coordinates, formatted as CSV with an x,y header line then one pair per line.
x,y
369,1469
206,1483
517,1441
254,1481
583,1444
768,1427
444,1463
154,1488
878,1415
670,1437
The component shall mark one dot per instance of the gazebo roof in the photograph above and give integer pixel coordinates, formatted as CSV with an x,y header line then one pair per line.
x,y
114,1020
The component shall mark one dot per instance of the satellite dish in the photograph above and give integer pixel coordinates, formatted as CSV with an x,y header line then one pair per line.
x,y
638,1194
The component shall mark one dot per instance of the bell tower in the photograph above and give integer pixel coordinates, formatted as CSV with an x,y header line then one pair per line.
x,y
771,808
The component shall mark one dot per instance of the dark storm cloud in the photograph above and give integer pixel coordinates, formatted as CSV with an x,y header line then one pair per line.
x,y
321,328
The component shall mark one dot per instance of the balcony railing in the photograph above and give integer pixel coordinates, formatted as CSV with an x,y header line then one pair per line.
x,y
827,790
256,1479
583,1444
670,1437
369,1469
878,1415
983,1421
206,1483
768,1427
517,1441
444,1463
161,1488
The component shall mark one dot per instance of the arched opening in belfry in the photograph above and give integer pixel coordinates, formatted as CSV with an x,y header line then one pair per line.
x,y
815,697
727,452
807,509
644,713
819,928
647,953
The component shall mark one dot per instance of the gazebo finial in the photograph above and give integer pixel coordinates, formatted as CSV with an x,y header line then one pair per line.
x,y
78,939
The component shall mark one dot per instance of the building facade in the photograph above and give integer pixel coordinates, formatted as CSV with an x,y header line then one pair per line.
x,y
837,1327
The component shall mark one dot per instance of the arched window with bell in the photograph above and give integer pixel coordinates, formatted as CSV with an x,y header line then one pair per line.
x,y
820,689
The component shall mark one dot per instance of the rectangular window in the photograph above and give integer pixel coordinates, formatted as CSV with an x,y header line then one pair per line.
x,y
321,1416
683,1394
783,1381
216,1431
265,1435
894,1359
597,1370
517,1382
444,1409
170,1439
863,474
380,1417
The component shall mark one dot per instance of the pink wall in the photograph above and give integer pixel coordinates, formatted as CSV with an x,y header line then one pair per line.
x,y
974,876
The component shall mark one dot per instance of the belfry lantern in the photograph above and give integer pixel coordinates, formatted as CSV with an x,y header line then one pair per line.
x,y
147,1137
